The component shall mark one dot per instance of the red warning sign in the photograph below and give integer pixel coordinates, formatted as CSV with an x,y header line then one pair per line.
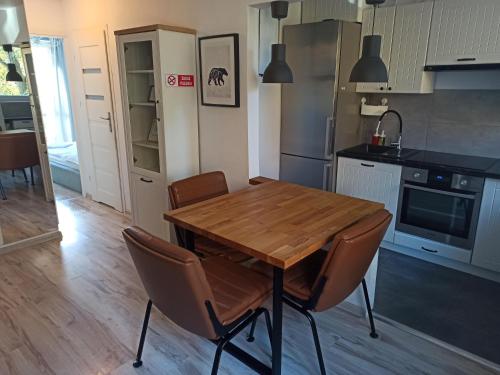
x,y
180,80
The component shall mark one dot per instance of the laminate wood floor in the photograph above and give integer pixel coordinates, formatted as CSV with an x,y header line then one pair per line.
x,y
76,307
25,213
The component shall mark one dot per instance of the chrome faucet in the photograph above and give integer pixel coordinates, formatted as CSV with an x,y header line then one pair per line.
x,y
398,143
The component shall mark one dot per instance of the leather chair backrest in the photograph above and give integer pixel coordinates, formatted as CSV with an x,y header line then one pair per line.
x,y
18,150
348,260
174,280
197,189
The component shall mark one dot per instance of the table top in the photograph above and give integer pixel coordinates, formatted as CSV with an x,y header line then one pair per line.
x,y
277,222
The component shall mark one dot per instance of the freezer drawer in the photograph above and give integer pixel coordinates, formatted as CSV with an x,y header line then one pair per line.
x,y
305,171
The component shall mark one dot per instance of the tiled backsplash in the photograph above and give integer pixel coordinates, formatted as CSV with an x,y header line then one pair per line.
x,y
455,121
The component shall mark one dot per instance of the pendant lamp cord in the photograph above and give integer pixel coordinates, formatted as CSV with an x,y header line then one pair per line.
x,y
279,30
373,21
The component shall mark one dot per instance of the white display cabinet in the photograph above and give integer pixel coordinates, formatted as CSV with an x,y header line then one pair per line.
x,y
161,119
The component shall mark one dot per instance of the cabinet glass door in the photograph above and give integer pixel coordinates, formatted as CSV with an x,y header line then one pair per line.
x,y
142,102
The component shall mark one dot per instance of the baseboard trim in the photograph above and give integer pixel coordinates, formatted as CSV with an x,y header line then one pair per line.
x,y
51,236
445,345
442,261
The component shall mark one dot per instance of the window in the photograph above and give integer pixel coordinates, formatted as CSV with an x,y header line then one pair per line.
x,y
12,88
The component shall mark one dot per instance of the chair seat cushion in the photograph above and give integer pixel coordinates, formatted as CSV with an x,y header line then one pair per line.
x,y
236,288
299,279
211,248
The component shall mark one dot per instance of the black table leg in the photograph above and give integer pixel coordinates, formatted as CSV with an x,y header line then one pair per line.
x,y
277,318
189,240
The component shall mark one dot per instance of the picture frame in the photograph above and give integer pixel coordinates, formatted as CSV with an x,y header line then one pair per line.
x,y
219,70
152,96
153,132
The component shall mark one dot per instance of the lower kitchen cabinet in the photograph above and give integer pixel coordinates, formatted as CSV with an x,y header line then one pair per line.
x,y
486,252
149,203
373,181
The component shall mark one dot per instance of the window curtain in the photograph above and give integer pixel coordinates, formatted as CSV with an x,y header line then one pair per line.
x,y
53,89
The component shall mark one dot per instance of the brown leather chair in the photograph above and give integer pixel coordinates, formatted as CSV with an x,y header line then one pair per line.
x,y
213,298
18,151
326,278
197,189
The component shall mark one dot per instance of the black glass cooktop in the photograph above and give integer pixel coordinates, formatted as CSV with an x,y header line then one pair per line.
x,y
440,159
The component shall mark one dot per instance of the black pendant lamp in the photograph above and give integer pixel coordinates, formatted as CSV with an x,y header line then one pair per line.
x,y
278,70
370,67
12,74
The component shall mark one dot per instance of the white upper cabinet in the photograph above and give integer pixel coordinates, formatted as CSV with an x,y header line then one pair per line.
x,y
405,32
384,26
320,10
465,32
409,49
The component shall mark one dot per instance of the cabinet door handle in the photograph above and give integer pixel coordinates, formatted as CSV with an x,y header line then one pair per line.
x,y
368,165
429,250
145,180
467,59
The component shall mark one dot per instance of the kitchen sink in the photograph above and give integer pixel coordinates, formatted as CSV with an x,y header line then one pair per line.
x,y
385,151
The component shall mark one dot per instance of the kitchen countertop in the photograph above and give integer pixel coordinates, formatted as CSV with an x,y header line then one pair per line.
x,y
464,164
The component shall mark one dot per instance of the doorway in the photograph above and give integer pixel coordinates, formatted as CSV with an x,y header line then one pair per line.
x,y
56,109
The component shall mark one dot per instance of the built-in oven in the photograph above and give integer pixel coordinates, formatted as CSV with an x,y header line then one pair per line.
x,y
440,206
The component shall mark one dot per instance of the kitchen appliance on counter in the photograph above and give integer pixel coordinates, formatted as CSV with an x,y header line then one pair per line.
x,y
320,110
439,205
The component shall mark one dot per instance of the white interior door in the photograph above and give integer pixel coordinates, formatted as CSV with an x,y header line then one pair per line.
x,y
96,104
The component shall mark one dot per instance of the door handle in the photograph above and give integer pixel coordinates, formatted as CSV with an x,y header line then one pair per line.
x,y
326,176
145,180
108,119
329,138
368,165
466,59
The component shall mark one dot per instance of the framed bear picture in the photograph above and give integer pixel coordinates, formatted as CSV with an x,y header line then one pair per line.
x,y
220,70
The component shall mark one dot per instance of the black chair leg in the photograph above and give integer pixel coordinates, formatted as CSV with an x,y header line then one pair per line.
x,y
218,355
32,178
316,342
13,172
2,192
138,361
250,336
373,332
269,326
25,176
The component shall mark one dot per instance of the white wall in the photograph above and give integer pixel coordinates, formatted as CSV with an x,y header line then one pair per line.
x,y
269,109
45,17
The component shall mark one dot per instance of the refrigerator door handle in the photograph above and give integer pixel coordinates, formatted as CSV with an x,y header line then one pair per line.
x,y
329,138
327,168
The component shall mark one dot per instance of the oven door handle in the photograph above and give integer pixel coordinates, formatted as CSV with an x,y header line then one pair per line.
x,y
443,192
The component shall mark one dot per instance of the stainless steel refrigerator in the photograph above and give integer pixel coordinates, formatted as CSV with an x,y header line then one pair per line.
x,y
320,111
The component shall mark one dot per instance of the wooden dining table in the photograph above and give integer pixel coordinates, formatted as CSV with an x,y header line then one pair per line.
x,y
278,223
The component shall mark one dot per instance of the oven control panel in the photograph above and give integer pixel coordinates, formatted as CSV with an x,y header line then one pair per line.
x,y
468,183
442,179
415,175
